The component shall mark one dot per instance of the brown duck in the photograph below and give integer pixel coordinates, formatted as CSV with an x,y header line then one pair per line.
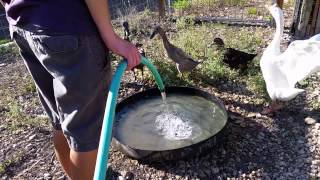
x,y
183,61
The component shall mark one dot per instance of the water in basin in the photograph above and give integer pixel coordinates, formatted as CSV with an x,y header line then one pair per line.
x,y
169,122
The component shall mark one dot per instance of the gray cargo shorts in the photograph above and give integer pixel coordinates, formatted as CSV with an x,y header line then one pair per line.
x,y
72,75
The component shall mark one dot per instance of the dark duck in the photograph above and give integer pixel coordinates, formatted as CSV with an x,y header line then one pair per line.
x,y
234,58
127,34
183,61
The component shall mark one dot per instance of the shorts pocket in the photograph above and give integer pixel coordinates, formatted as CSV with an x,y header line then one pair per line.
x,y
56,44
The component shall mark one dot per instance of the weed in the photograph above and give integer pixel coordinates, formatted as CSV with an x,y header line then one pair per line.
x,y
7,163
181,4
315,104
288,4
252,11
4,41
18,118
4,165
197,41
233,2
9,51
29,86
269,18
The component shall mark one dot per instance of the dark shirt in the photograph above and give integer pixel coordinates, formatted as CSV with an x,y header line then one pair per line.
x,y
52,16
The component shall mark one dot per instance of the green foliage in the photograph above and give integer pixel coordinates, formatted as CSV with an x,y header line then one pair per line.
x,y
4,41
18,118
269,18
181,4
233,2
202,3
8,51
242,39
288,4
197,42
252,11
29,86
4,165
194,4
315,105
185,22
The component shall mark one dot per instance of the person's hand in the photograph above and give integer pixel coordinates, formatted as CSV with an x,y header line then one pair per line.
x,y
127,50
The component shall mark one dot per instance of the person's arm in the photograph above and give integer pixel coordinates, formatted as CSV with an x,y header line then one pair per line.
x,y
100,12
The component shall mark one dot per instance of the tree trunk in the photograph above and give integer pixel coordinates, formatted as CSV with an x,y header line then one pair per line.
x,y
162,8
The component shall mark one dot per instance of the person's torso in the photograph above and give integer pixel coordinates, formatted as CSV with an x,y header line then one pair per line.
x,y
51,16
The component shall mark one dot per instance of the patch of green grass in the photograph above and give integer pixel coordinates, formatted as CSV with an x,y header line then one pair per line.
x,y
18,118
9,162
4,41
288,4
234,2
182,4
29,86
9,51
198,43
4,165
269,18
315,105
252,11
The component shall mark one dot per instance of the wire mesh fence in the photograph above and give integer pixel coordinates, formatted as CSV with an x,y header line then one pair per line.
x,y
125,7
117,8
243,12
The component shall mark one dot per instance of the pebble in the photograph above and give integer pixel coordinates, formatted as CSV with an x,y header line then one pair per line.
x,y
32,137
46,175
315,162
127,175
309,121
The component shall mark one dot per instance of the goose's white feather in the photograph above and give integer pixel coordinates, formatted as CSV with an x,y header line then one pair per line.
x,y
281,71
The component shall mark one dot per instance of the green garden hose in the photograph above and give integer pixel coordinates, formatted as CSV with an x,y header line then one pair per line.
x,y
106,131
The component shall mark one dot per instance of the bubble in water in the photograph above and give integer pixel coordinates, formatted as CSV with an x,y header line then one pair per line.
x,y
172,127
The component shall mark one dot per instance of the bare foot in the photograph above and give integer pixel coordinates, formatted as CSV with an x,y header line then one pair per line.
x,y
274,107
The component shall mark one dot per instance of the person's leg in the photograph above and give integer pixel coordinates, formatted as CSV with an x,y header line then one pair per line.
x,y
81,76
62,151
83,162
44,83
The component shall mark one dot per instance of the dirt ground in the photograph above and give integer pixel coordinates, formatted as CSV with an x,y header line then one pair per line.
x,y
283,146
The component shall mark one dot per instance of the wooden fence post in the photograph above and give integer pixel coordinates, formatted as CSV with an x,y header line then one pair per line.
x,y
316,17
308,21
162,8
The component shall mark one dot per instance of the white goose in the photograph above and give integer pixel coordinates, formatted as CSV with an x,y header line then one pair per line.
x,y
281,71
